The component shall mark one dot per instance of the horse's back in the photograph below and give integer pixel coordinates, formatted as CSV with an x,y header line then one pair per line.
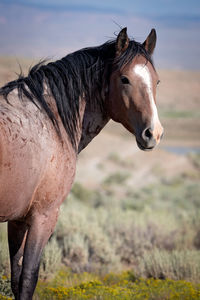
x,y
32,161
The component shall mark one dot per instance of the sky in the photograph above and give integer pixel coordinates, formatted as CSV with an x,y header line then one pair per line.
x,y
53,28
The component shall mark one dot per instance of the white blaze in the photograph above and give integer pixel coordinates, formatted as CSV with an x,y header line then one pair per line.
x,y
142,71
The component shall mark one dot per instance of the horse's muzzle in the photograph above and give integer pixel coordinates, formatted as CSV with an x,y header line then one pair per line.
x,y
146,146
146,141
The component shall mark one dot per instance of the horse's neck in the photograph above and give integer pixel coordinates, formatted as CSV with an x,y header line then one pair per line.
x,y
93,122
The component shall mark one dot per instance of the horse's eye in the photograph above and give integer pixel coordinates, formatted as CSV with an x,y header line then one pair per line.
x,y
125,80
158,82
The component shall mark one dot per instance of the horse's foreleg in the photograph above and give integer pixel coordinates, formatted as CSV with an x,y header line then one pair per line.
x,y
39,232
16,239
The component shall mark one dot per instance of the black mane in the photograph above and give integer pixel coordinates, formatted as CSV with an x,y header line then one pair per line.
x,y
83,73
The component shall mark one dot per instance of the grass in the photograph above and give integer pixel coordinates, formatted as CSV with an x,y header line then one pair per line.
x,y
155,232
125,285
115,286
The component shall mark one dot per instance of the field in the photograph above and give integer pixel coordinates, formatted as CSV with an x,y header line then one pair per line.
x,y
130,228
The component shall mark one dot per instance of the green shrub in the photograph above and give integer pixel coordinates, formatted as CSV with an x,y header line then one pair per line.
x,y
51,259
109,232
116,178
4,253
85,246
81,193
177,265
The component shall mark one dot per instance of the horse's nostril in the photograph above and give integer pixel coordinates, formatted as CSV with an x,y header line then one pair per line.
x,y
147,134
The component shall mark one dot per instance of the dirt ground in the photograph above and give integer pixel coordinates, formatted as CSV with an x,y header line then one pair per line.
x,y
114,151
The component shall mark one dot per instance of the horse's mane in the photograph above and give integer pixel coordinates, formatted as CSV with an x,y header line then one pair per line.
x,y
83,73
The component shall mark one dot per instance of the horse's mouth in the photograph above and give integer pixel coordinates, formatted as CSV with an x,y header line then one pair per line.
x,y
144,148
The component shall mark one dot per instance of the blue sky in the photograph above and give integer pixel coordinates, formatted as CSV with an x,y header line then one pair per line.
x,y
163,7
36,28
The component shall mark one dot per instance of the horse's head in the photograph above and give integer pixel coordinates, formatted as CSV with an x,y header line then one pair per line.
x,y
132,90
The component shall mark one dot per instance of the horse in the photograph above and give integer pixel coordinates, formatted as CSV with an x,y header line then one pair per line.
x,y
51,115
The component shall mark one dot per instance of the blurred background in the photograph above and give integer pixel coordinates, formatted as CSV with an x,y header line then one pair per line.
x,y
36,28
127,209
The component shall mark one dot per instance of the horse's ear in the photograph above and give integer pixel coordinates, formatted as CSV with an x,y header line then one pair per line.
x,y
150,42
122,41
